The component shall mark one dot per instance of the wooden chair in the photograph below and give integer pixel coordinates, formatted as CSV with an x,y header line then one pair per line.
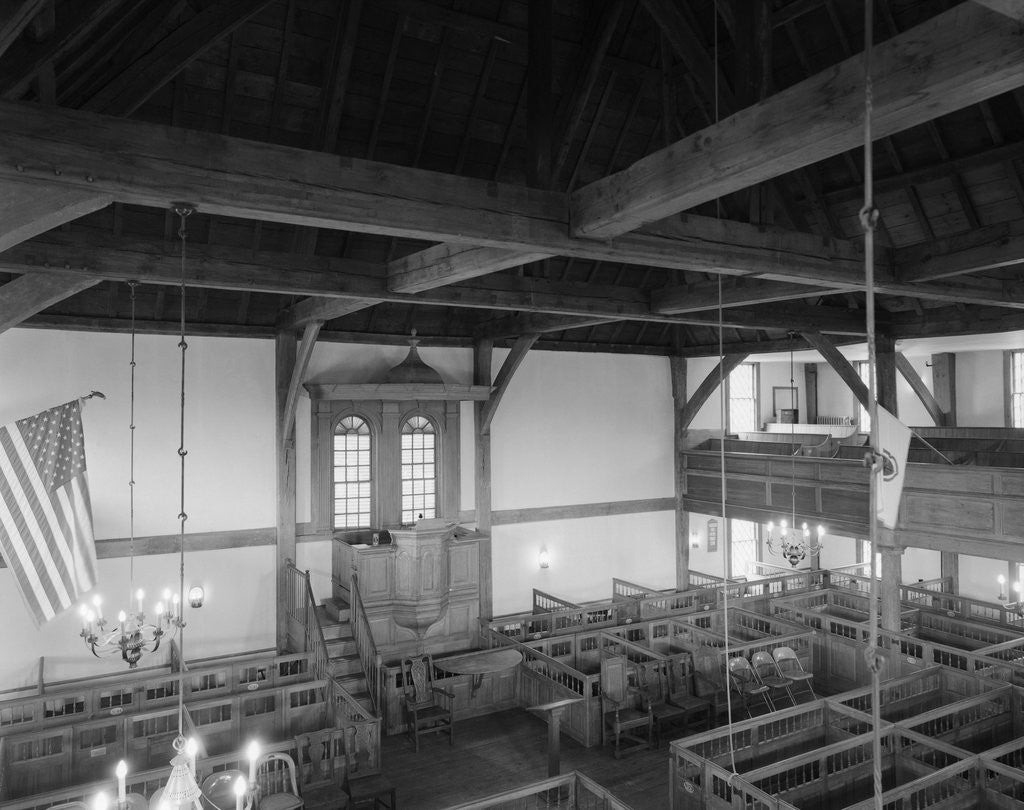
x,y
790,667
624,720
219,789
428,708
652,680
276,787
709,680
321,762
744,681
767,672
366,786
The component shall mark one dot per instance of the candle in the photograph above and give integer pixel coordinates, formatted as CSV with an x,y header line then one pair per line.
x,y
83,611
138,595
253,753
122,617
240,789
190,751
175,608
122,771
96,601
101,801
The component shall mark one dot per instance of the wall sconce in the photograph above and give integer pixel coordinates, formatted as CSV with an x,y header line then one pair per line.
x,y
694,540
1002,588
544,558
196,595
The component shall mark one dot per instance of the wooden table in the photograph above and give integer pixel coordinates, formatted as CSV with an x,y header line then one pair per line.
x,y
554,710
478,664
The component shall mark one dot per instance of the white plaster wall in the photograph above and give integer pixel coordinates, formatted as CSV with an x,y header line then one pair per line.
x,y
978,576
979,389
585,555
583,428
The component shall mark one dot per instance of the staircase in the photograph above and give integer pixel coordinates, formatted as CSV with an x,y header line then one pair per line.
x,y
334,615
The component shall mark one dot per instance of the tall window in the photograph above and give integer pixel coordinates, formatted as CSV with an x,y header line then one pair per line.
x,y
743,406
352,482
744,536
419,472
1016,383
863,417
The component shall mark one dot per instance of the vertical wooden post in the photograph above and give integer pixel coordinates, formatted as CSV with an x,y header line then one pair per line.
x,y
390,486
944,385
885,357
482,352
539,117
811,393
677,369
949,566
285,347
892,578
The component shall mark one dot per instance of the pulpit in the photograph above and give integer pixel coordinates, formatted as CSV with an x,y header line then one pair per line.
x,y
420,592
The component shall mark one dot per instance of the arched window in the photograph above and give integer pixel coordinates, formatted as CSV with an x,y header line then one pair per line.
x,y
419,471
352,481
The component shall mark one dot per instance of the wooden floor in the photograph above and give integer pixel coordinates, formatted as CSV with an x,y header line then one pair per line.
x,y
506,750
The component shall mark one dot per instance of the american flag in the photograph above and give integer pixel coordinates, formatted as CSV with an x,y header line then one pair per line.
x,y
45,516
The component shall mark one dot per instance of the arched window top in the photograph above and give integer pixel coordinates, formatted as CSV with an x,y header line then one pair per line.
x,y
352,424
418,424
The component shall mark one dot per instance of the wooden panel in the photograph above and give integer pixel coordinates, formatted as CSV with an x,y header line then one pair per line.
x,y
1011,483
785,496
948,511
704,487
845,503
745,491
855,473
1011,519
748,466
374,581
951,479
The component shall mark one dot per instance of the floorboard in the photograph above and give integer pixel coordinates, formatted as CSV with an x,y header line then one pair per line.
x,y
506,750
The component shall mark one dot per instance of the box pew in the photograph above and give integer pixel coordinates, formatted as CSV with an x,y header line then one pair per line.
x,y
548,603
1001,787
974,724
524,626
770,448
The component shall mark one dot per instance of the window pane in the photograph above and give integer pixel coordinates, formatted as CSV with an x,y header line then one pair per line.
x,y
418,472
743,410
743,536
352,473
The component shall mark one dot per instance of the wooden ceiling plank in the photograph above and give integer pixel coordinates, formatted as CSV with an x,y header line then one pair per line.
x,y
594,49
28,295
71,33
336,86
676,300
478,96
26,211
987,248
530,323
15,15
445,264
385,87
139,81
955,59
594,124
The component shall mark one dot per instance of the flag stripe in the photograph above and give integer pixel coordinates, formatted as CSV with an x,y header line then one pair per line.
x,y
39,517
45,516
14,549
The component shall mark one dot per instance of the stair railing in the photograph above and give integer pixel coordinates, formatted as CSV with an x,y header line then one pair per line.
x,y
366,647
304,624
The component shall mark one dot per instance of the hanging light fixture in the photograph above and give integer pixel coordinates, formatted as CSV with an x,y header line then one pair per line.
x,y
134,634
786,540
182,789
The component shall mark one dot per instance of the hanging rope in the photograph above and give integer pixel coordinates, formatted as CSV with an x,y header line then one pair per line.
x,y
183,213
868,221
721,446
131,458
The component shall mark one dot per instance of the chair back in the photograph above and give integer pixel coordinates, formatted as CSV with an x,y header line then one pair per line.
x,y
651,680
362,745
764,665
320,758
219,789
275,773
741,671
784,653
419,679
615,679
706,662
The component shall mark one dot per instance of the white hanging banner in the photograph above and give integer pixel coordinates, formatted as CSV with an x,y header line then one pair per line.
x,y
893,443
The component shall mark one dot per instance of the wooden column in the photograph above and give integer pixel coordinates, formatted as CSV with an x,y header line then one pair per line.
x,y
892,578
677,369
482,352
390,455
811,393
949,566
885,382
944,385
285,345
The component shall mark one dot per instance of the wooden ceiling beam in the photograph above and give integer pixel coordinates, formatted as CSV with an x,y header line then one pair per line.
x,y
843,367
23,297
535,323
918,386
15,15
953,60
987,248
130,89
513,360
27,211
1014,9
445,264
704,296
